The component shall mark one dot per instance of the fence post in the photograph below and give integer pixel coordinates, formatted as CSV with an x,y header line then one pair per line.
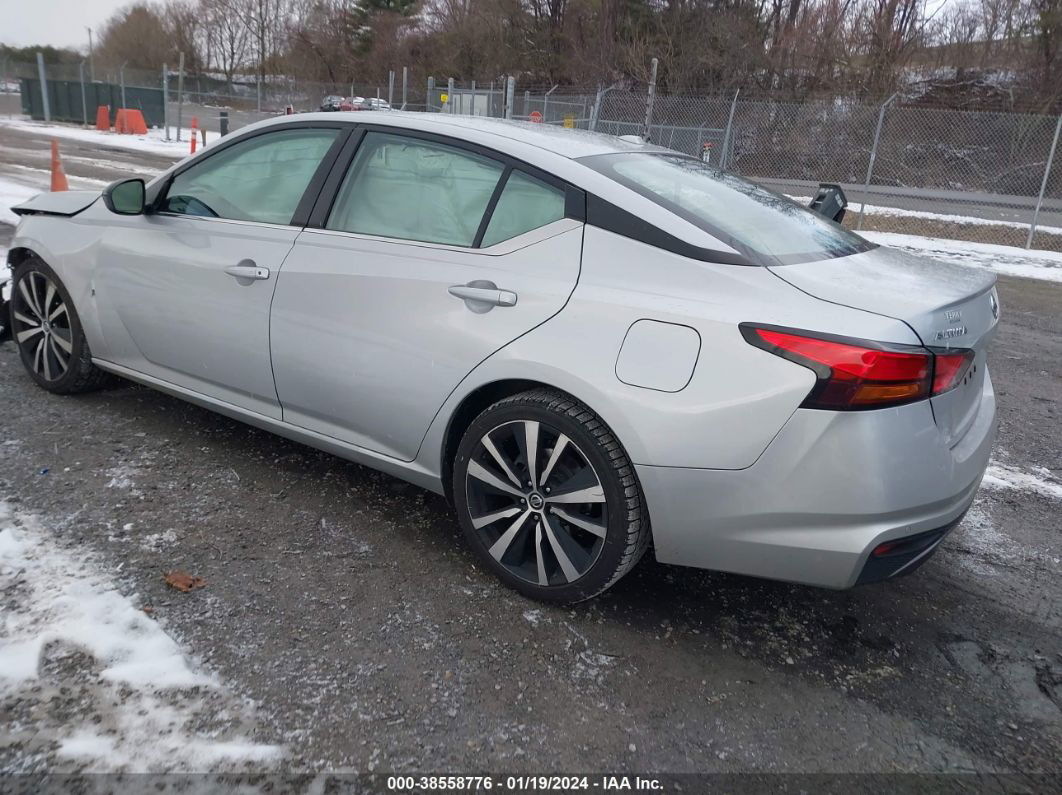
x,y
510,95
44,87
450,94
545,103
427,99
873,157
726,136
390,87
527,103
180,93
472,104
649,100
1043,185
84,104
166,100
121,80
405,85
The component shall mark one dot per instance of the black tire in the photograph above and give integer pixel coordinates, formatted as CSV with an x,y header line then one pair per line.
x,y
530,553
47,362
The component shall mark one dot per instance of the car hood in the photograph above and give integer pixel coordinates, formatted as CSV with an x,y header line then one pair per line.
x,y
67,202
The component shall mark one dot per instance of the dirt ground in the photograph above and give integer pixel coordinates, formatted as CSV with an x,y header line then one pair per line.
x,y
343,605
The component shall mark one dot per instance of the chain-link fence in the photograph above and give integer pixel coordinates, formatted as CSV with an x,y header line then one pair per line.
x,y
987,177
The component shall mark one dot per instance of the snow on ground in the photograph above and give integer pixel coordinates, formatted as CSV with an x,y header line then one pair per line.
x,y
947,218
1038,479
1007,260
154,142
127,696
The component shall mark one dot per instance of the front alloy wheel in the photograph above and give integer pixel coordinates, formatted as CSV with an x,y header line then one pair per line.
x,y
545,499
48,332
41,325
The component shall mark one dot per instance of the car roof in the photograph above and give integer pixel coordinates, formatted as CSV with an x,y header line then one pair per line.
x,y
568,143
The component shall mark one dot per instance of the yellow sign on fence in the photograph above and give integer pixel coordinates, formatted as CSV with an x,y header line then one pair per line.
x,y
443,98
569,121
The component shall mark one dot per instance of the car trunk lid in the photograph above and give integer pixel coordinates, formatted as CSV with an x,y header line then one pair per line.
x,y
946,305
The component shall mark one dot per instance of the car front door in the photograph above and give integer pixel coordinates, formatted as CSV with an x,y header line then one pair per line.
x,y
432,256
184,291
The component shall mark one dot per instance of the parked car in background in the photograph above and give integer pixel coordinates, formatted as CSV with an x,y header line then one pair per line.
x,y
331,103
365,103
584,342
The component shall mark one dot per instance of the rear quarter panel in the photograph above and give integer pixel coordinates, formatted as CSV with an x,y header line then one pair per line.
x,y
738,397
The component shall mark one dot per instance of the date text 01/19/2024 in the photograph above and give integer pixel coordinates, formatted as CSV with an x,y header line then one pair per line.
x,y
523,783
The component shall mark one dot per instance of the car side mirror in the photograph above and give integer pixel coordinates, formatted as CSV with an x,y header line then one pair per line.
x,y
830,201
125,197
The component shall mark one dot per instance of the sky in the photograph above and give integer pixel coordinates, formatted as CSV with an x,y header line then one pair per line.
x,y
60,23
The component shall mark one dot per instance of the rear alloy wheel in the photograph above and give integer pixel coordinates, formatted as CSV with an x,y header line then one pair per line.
x,y
547,497
47,332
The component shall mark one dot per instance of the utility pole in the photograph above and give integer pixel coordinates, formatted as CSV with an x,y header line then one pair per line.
x,y
92,60
121,79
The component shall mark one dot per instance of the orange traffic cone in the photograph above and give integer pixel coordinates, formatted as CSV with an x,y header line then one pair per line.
x,y
195,132
103,118
58,177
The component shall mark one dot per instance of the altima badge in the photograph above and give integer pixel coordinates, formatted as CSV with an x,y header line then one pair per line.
x,y
992,302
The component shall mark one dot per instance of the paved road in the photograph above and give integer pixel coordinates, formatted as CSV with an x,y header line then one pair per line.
x,y
345,604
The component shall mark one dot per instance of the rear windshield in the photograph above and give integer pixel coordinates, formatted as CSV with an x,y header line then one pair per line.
x,y
764,226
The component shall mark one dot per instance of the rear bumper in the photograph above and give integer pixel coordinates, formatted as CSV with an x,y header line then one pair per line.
x,y
829,489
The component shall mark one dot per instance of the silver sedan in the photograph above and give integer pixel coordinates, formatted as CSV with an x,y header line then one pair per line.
x,y
586,343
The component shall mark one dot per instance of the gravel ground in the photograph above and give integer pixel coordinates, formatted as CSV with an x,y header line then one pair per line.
x,y
354,629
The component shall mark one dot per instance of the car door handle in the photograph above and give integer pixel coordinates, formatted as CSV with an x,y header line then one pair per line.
x,y
251,271
483,293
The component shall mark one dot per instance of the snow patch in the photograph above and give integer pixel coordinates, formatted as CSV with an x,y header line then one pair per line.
x,y
154,142
141,695
1038,479
1006,260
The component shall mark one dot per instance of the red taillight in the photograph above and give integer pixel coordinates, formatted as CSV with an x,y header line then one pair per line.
x,y
855,374
950,368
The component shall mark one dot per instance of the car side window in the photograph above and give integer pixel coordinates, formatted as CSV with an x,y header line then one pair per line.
x,y
525,203
414,189
261,179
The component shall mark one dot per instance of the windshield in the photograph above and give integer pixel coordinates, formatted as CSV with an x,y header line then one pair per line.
x,y
762,225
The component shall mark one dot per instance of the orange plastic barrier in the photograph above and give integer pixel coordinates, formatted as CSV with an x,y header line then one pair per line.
x,y
58,177
134,122
103,118
129,121
195,132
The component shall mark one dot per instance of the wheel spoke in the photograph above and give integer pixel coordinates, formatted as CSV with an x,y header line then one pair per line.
x,y
31,299
49,294
22,336
531,442
580,496
501,546
29,321
59,310
497,456
477,470
58,357
570,572
558,449
40,360
539,558
580,521
61,341
491,518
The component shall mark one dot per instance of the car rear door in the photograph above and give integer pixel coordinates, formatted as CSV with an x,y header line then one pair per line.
x,y
184,292
423,258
